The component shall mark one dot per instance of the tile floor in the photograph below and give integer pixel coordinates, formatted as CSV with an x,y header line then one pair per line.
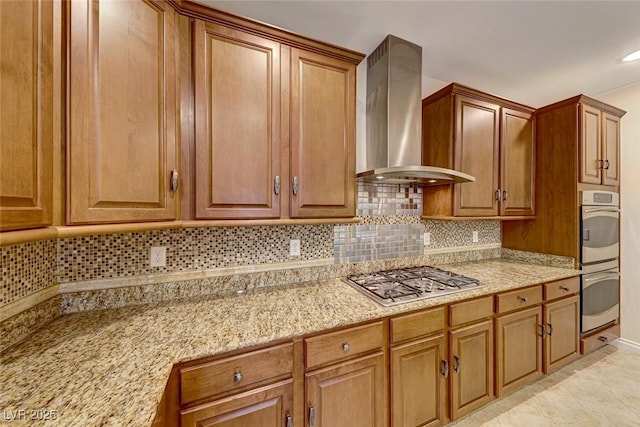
x,y
600,389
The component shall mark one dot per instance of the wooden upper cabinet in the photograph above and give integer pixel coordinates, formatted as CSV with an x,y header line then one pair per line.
x,y
121,111
518,157
237,123
476,153
26,114
590,144
484,136
599,145
322,136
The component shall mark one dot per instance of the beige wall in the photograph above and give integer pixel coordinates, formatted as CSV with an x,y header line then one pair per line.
x,y
629,99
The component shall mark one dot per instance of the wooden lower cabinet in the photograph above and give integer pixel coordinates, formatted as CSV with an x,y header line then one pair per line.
x,y
352,394
471,367
562,342
518,349
269,406
419,373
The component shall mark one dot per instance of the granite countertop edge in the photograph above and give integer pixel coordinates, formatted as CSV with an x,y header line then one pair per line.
x,y
110,366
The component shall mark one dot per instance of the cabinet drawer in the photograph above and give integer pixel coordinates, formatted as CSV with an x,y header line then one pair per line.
x,y
561,288
417,324
470,311
600,339
520,298
341,345
236,372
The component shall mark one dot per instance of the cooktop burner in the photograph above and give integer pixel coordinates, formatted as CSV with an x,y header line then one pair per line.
x,y
410,284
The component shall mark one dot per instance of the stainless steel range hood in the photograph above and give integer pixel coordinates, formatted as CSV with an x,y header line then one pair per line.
x,y
394,119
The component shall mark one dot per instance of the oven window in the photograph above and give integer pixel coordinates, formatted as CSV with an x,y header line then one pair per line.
x,y
599,231
600,297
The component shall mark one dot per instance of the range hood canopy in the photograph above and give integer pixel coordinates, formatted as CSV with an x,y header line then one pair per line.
x,y
394,119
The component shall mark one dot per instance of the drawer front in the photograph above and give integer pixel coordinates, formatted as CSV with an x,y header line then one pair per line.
x,y
236,372
520,298
341,345
561,288
415,325
470,311
602,338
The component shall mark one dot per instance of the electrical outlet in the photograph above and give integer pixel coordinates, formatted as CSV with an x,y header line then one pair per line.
x,y
158,256
475,236
427,239
294,247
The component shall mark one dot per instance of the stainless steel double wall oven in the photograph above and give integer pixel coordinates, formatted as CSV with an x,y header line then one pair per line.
x,y
599,244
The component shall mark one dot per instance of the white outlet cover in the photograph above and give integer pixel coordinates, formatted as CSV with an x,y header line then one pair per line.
x,y
475,237
158,256
294,247
427,239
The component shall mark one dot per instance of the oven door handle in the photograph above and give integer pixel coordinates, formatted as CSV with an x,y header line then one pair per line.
x,y
601,276
603,209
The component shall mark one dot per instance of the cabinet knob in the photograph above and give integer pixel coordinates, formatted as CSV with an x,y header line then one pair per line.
x,y
276,185
564,288
175,180
237,377
296,185
523,299
346,347
603,339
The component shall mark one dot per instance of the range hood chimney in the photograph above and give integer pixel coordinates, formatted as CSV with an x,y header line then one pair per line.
x,y
394,119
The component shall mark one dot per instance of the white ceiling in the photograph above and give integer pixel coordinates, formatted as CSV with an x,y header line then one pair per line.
x,y
533,52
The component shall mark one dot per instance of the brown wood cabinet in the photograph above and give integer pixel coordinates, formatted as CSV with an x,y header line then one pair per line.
x,y
518,349
274,128
471,367
576,140
562,328
484,136
26,114
352,393
121,135
268,406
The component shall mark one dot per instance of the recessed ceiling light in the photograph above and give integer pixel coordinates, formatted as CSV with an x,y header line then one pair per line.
x,y
633,56
379,177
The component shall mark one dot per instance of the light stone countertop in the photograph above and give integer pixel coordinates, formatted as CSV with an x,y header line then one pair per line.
x,y
110,367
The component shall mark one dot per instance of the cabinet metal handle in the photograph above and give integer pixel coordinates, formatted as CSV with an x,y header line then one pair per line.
x,y
312,416
542,331
523,299
346,347
276,185
600,164
564,288
237,377
498,193
505,193
456,364
603,209
606,164
550,332
445,368
175,180
289,421
296,184
603,339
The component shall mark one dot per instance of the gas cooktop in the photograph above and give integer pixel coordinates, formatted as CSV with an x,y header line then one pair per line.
x,y
391,287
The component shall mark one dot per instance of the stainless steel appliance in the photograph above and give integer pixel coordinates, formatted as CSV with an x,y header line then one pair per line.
x,y
391,287
599,249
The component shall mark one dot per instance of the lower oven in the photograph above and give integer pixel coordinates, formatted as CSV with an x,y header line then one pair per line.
x,y
599,299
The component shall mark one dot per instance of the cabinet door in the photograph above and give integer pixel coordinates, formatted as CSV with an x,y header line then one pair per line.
x,y
322,136
517,154
26,120
350,394
121,112
237,123
476,152
268,406
562,344
590,144
471,367
518,349
418,379
611,149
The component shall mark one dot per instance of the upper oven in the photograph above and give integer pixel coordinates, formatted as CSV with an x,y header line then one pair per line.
x,y
600,219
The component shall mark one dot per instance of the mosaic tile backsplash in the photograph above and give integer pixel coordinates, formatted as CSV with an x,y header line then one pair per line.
x,y
27,268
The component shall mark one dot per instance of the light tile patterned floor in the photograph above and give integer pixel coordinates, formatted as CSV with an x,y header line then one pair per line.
x,y
601,389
